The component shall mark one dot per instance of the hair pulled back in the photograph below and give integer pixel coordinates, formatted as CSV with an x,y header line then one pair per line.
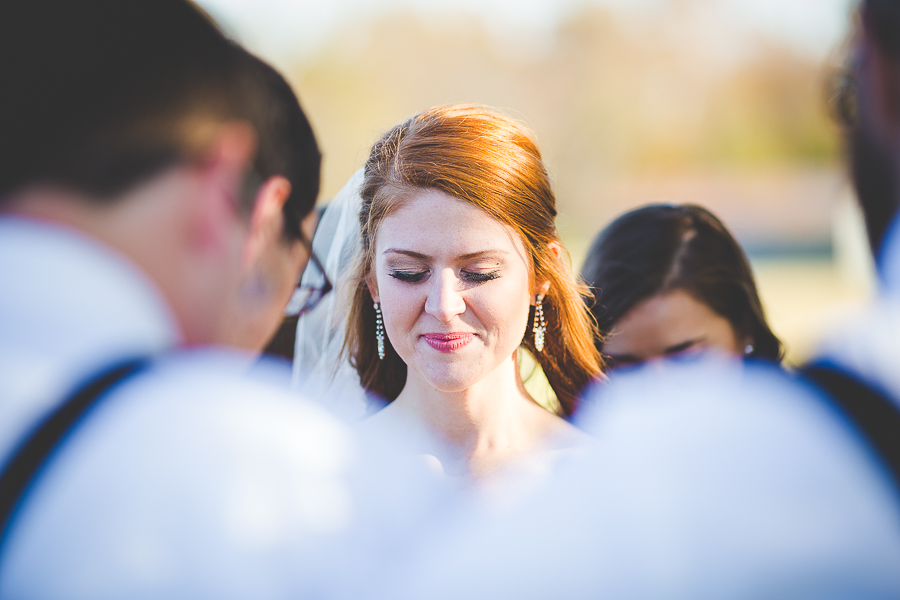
x,y
486,159
661,248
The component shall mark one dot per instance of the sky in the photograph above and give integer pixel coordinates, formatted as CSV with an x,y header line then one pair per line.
x,y
281,30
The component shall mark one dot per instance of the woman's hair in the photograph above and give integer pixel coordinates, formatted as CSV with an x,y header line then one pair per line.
x,y
662,247
487,159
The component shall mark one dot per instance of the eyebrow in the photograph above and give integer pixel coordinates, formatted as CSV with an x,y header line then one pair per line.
x,y
467,256
409,253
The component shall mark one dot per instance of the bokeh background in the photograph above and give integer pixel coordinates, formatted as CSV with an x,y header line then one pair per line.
x,y
721,103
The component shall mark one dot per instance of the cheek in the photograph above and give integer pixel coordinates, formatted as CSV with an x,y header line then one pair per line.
x,y
400,305
505,309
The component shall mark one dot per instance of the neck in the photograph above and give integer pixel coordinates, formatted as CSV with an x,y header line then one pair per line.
x,y
154,227
484,424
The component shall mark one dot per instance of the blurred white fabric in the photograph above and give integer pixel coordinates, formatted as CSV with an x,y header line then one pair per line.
x,y
708,480
192,480
321,332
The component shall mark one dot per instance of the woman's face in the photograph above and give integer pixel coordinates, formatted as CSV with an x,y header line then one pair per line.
x,y
670,324
454,287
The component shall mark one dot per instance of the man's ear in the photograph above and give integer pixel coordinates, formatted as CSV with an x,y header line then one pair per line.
x,y
267,218
224,168
543,287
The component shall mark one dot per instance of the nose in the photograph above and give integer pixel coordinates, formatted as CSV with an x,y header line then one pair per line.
x,y
445,299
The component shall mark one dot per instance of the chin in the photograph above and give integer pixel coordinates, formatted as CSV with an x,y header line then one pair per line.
x,y
449,380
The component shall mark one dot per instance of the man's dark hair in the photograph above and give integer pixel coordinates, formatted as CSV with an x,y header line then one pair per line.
x,y
287,145
874,168
661,248
882,18
99,95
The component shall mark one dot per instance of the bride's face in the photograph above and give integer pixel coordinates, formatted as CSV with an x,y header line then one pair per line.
x,y
454,287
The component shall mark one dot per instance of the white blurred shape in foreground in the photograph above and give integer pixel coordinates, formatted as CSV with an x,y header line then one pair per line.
x,y
709,480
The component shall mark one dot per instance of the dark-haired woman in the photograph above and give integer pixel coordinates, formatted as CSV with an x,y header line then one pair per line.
x,y
670,280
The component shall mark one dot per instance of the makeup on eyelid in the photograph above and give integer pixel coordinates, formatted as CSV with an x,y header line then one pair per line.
x,y
482,269
468,276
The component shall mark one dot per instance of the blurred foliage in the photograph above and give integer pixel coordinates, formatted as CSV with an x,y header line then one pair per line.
x,y
771,111
674,107
607,98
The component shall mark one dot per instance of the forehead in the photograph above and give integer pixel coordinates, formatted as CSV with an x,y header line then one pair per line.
x,y
435,223
663,321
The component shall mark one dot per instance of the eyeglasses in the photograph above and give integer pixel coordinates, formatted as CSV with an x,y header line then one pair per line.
x,y
307,297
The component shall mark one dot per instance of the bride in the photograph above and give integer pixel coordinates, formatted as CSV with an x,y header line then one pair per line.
x,y
460,269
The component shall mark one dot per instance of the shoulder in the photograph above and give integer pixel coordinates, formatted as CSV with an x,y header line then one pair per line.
x,y
215,399
188,475
743,443
564,434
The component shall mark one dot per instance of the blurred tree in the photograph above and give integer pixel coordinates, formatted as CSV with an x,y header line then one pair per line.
x,y
611,100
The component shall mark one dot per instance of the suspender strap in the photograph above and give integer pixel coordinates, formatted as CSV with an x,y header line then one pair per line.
x,y
875,414
38,448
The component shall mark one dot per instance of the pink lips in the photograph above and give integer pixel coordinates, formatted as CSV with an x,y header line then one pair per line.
x,y
448,342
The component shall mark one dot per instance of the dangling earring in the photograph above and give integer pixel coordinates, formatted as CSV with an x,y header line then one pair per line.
x,y
539,325
379,331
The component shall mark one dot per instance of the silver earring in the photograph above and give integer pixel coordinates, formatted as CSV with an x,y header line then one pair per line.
x,y
379,331
539,325
748,349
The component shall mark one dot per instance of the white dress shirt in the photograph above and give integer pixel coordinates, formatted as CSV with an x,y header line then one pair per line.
x,y
67,308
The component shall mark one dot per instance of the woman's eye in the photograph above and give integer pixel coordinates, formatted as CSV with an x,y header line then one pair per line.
x,y
479,277
685,348
409,276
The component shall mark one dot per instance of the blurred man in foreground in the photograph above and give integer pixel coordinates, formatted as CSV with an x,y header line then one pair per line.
x,y
865,352
712,479
153,180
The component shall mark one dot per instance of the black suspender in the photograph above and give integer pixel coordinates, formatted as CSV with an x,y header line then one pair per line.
x,y
875,414
37,448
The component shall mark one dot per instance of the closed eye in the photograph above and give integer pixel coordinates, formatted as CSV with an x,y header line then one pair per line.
x,y
409,276
682,347
614,361
479,277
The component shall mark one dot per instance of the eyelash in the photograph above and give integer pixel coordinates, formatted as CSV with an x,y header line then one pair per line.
x,y
417,276
409,276
480,277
